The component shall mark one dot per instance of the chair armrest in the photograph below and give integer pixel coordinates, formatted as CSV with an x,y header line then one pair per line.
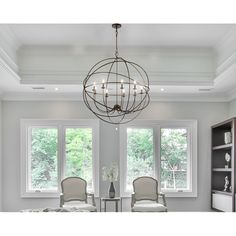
x,y
163,198
61,199
92,197
132,199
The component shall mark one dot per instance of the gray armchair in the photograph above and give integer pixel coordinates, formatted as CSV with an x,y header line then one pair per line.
x,y
74,194
146,197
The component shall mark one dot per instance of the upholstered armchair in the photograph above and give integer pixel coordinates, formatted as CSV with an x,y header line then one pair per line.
x,y
146,196
74,194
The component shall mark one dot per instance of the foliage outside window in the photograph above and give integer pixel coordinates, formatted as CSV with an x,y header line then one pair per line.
x,y
43,159
140,160
79,154
174,157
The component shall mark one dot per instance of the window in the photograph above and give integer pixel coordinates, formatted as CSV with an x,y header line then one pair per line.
x,y
53,150
166,150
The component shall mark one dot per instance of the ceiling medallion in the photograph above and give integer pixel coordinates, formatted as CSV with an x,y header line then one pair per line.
x,y
116,90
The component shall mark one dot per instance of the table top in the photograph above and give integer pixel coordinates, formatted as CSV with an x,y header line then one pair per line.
x,y
110,199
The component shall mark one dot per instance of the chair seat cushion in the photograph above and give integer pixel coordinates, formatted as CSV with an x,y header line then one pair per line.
x,y
81,206
148,206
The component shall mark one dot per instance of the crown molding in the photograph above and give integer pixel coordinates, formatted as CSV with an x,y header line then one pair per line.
x,y
37,96
9,37
5,66
226,71
226,47
155,78
226,64
8,51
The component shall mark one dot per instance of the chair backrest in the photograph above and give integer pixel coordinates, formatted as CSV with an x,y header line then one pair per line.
x,y
145,188
74,188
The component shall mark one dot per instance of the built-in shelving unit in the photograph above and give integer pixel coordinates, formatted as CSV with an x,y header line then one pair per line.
x,y
222,171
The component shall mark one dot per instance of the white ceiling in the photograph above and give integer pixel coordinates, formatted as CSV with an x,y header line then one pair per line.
x,y
171,35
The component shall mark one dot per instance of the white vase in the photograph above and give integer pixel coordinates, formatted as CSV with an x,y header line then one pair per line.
x,y
227,137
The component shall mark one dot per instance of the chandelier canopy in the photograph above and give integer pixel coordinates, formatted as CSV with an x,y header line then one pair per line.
x,y
116,90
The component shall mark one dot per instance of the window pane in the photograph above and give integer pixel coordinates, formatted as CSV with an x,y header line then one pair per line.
x,y
43,159
140,160
79,154
174,158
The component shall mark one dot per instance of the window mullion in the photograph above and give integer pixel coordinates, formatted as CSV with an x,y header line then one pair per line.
x,y
61,158
157,154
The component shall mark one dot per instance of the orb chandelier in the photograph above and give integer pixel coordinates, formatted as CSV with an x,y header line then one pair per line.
x,y
116,90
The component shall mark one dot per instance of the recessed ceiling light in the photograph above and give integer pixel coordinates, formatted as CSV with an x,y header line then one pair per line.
x,y
39,88
162,89
204,89
56,89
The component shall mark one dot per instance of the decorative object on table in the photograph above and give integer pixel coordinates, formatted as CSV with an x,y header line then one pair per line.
x,y
116,90
226,183
111,174
230,188
227,159
227,137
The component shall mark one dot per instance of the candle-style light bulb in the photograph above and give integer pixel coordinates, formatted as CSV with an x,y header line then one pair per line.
x,y
141,90
94,88
103,84
122,84
135,84
123,93
106,93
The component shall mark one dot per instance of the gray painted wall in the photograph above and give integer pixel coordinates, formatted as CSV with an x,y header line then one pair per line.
x,y
206,114
232,108
0,155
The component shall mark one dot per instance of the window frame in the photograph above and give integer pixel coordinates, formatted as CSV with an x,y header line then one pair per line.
x,y
61,125
157,125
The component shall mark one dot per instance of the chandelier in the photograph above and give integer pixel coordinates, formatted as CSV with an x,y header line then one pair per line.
x,y
116,90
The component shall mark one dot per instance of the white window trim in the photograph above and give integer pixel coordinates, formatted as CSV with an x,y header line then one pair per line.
x,y
61,125
191,126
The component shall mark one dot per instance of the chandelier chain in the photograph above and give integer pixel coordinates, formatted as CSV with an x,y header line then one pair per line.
x,y
116,52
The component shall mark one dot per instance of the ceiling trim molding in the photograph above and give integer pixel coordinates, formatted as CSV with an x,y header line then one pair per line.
x,y
231,34
226,71
9,63
9,69
226,64
9,37
155,78
8,51
77,97
226,50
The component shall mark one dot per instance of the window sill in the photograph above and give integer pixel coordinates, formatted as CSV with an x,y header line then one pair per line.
x,y
168,194
40,195
182,194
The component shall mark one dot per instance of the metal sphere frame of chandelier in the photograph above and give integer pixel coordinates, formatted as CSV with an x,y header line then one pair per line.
x,y
116,90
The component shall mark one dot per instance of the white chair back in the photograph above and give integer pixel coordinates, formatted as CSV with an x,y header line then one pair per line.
x,y
74,188
145,188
